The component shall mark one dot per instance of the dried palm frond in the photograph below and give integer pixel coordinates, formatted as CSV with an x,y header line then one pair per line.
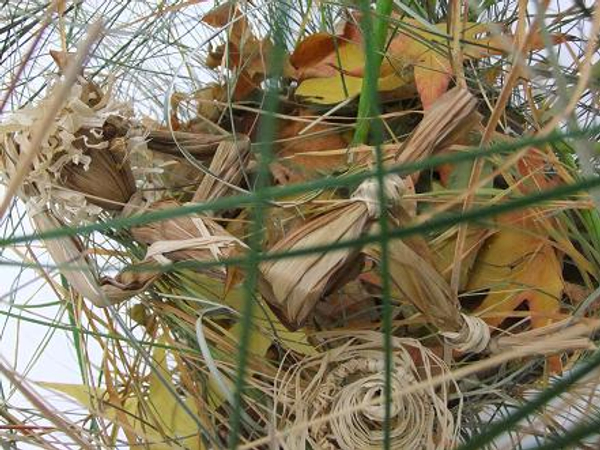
x,y
292,286
226,168
448,120
421,285
189,238
77,267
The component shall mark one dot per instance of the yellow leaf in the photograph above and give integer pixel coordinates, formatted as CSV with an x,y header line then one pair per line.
x,y
258,344
91,399
330,90
518,264
322,55
327,91
160,411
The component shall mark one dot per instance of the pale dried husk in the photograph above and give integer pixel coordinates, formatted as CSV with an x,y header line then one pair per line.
x,y
347,382
73,262
79,169
292,286
448,120
228,165
420,284
189,238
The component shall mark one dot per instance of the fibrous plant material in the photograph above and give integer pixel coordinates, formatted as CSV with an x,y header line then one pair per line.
x,y
362,270
292,286
337,395
83,164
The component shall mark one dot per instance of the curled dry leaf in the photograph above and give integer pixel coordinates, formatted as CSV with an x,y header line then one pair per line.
x,y
293,285
83,165
244,53
188,238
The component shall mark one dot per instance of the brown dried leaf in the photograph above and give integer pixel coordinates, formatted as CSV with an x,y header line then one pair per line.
x,y
292,286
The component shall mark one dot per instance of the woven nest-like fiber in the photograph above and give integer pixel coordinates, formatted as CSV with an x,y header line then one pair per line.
x,y
345,387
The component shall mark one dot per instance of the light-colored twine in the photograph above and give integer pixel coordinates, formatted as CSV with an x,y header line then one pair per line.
x,y
473,337
354,374
368,192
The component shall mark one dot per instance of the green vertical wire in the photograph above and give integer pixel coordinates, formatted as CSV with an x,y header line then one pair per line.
x,y
266,137
375,35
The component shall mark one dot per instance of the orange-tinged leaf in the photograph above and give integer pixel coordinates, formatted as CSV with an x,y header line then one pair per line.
x,y
432,77
220,15
534,170
517,265
298,153
312,50
322,56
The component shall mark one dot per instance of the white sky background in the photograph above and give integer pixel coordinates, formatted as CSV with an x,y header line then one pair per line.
x,y
37,351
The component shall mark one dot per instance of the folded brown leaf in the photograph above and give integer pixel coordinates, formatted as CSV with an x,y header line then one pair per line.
x,y
451,116
188,238
292,286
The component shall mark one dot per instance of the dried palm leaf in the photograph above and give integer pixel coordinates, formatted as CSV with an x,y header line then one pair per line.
x,y
108,181
451,117
228,166
421,285
188,238
292,286
74,264
80,167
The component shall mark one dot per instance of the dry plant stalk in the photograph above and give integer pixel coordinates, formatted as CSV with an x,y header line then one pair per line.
x,y
351,375
228,165
292,286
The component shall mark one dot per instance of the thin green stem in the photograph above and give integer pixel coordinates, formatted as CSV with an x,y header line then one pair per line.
x,y
374,45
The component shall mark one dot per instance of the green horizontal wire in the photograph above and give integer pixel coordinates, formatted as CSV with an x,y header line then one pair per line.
x,y
289,190
436,223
